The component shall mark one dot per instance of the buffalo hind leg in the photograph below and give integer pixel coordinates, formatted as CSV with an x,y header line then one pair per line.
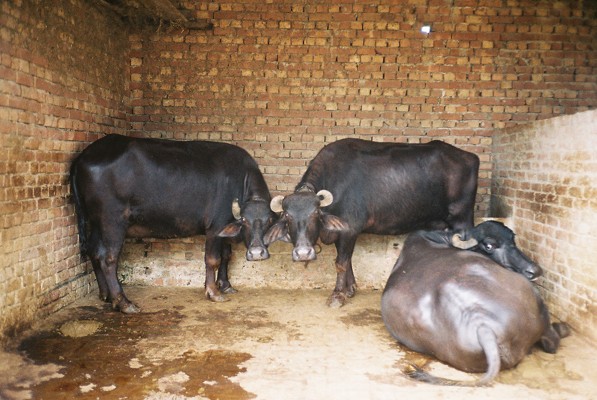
x,y
102,284
223,282
105,264
345,281
550,340
104,293
562,328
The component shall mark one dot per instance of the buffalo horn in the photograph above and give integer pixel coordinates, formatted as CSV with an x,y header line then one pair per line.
x,y
276,204
463,244
236,209
325,198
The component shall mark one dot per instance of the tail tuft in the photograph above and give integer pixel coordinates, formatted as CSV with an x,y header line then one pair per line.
x,y
415,372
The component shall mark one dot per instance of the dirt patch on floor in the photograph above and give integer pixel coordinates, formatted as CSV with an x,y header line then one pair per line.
x,y
265,344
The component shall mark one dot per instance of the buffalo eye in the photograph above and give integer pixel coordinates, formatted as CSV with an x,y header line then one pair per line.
x,y
489,247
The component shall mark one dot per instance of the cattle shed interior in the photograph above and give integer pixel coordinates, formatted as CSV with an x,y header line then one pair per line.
x,y
513,81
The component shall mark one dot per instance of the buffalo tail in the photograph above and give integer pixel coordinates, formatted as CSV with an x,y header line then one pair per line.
x,y
79,210
488,341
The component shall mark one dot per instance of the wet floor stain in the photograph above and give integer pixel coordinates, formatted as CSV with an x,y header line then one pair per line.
x,y
367,317
266,344
107,362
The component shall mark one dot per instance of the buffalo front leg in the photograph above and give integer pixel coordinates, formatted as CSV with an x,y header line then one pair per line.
x,y
213,250
223,282
345,281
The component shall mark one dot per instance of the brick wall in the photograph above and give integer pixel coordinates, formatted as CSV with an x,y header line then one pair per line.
x,y
63,83
545,178
281,79
284,78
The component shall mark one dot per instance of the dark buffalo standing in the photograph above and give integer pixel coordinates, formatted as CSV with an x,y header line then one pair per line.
x,y
463,307
355,186
139,188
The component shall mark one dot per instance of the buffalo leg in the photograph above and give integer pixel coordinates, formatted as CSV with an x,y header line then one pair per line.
x,y
550,340
223,282
562,328
213,260
345,281
104,293
104,258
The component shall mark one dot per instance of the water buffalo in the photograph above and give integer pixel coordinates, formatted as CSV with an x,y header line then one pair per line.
x,y
355,186
125,186
463,307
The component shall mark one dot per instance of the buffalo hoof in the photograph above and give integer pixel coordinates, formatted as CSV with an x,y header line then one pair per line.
x,y
130,308
562,328
216,297
125,306
229,290
226,287
336,300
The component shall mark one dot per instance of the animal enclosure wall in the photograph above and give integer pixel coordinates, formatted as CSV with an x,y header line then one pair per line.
x,y
545,179
281,79
63,84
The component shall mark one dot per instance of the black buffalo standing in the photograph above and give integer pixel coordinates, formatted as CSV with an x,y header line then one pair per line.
x,y
463,307
355,186
140,188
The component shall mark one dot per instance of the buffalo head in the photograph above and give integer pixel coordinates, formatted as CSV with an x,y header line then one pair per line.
x,y
302,221
251,221
496,241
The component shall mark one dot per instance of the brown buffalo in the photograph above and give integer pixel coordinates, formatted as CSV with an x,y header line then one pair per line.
x,y
460,305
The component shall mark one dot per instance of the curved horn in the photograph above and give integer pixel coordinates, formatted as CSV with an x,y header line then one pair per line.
x,y
325,198
463,244
236,209
276,204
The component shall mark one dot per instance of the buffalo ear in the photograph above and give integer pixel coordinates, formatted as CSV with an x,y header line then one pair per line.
x,y
439,237
333,223
278,231
231,230
276,204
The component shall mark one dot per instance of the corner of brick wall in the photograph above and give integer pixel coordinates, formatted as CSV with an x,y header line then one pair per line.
x,y
545,174
60,88
278,78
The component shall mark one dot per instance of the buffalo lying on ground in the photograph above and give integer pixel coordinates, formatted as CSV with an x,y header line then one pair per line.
x,y
355,186
460,305
140,188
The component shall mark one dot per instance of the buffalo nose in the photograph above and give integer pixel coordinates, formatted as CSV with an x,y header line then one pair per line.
x,y
532,272
303,253
257,253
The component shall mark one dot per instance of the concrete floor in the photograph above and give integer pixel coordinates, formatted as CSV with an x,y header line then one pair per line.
x,y
263,344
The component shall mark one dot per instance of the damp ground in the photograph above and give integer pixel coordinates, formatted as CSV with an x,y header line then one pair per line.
x,y
262,344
